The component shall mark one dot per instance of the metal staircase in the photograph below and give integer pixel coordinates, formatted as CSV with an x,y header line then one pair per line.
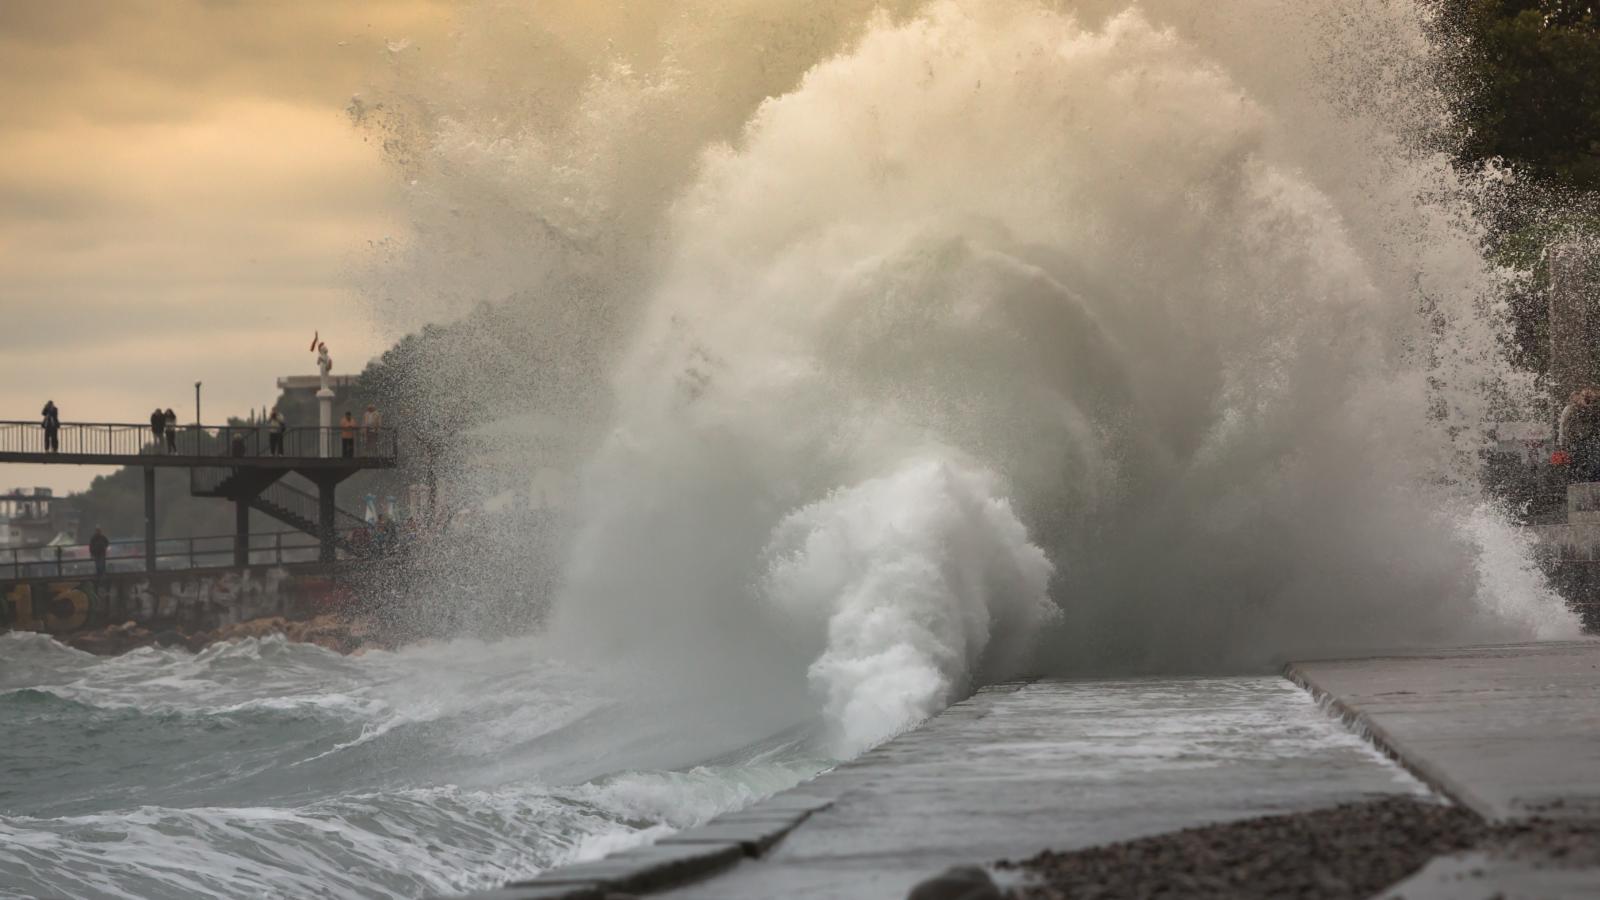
x,y
228,481
270,495
298,509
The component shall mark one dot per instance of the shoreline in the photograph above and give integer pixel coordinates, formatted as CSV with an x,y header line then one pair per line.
x,y
1352,851
1510,726
347,635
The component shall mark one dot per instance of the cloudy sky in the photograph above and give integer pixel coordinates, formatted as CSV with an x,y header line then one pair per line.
x,y
183,198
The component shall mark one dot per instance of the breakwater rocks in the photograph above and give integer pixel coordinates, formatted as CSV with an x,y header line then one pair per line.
x,y
1354,850
335,633
1348,852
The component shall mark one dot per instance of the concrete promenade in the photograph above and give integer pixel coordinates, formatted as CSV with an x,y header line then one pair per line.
x,y
1016,769
1511,732
1508,731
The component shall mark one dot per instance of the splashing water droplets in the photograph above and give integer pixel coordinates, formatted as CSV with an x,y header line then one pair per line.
x,y
997,289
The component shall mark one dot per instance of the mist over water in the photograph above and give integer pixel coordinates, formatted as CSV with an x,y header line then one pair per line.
x,y
952,340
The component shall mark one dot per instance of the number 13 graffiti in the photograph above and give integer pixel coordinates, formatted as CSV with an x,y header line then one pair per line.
x,y
66,610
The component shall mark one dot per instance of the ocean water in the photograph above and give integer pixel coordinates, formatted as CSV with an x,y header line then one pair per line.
x,y
271,769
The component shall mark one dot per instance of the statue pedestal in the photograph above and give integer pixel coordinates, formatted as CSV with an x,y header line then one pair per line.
x,y
325,408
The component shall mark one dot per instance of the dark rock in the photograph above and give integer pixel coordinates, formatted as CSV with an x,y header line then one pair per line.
x,y
958,883
111,640
1351,851
335,633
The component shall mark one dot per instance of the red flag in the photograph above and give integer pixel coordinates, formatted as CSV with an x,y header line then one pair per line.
x,y
314,336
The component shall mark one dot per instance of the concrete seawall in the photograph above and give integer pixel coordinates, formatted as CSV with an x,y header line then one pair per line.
x,y
1014,770
1508,731
1511,732
191,600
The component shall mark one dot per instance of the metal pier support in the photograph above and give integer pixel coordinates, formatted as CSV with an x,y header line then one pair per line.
x,y
149,518
241,533
325,518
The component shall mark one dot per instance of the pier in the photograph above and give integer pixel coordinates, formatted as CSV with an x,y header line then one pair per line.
x,y
227,462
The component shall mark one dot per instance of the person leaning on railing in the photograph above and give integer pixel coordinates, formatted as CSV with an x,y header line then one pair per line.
x,y
347,435
52,427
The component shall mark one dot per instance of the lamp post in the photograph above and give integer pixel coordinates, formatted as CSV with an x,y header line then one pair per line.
x,y
197,406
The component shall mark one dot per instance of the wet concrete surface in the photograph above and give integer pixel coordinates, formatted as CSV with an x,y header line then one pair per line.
x,y
1509,730
1022,768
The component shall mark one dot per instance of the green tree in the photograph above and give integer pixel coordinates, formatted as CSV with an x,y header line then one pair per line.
x,y
1533,83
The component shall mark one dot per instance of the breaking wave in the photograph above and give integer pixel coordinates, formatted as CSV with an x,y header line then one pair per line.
x,y
1009,324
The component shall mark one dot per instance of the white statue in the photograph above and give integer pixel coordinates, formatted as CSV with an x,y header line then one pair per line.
x,y
324,364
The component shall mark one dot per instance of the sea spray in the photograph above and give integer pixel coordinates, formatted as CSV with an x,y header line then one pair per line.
x,y
1087,260
908,581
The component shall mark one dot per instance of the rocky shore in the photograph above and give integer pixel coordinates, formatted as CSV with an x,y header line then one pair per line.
x,y
336,633
1349,851
1357,850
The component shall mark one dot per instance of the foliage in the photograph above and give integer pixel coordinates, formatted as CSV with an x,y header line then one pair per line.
x,y
1533,76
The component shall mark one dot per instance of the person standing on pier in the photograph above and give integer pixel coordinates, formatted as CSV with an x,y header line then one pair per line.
x,y
371,422
52,427
347,435
98,545
171,430
275,429
158,425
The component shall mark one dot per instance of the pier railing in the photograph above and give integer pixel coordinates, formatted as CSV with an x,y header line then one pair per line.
x,y
237,441
202,552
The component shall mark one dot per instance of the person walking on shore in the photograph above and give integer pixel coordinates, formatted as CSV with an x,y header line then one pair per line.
x,y
98,546
275,429
158,425
347,435
52,427
171,429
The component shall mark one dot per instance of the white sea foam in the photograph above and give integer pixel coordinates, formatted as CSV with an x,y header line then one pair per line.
x,y
909,582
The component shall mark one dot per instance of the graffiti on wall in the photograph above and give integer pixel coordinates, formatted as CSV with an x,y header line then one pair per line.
x,y
157,600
